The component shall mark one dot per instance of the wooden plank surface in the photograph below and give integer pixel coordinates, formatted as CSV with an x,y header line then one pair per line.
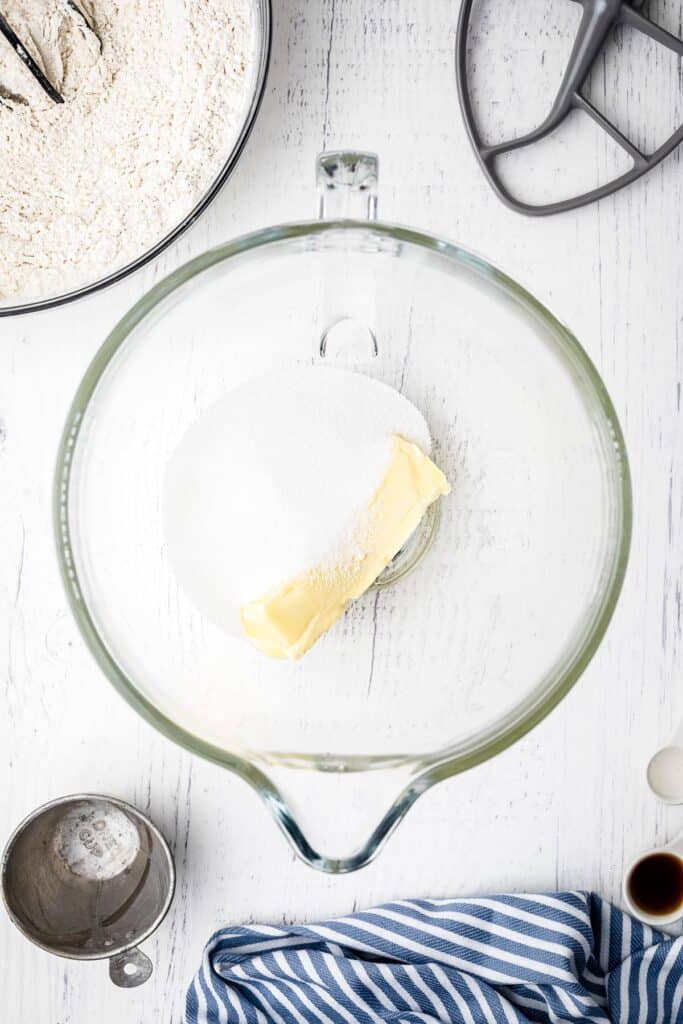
x,y
566,807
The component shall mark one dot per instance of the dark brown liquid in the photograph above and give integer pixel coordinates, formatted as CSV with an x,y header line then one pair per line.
x,y
656,884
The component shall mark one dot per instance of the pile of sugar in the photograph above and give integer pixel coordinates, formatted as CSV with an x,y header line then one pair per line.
x,y
148,122
277,478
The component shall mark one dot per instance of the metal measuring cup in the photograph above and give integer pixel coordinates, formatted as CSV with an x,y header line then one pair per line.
x,y
88,877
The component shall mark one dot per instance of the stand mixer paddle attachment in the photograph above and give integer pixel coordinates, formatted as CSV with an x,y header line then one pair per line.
x,y
598,19
29,53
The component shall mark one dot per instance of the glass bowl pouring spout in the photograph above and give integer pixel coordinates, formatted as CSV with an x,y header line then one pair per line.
x,y
481,625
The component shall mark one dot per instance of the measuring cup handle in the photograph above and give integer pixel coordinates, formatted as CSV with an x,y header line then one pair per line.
x,y
130,968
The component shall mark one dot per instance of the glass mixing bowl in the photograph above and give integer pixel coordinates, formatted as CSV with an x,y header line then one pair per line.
x,y
485,620
261,59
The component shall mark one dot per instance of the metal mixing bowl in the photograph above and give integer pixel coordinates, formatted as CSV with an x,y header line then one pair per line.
x,y
263,15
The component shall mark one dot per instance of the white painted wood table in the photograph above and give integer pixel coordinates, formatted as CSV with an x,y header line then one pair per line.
x,y
568,805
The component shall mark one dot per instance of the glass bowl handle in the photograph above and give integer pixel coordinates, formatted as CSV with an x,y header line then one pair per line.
x,y
347,191
347,185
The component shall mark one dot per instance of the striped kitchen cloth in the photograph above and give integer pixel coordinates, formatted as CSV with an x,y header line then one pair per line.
x,y
492,960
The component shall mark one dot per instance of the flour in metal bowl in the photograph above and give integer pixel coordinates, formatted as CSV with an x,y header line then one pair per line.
x,y
155,94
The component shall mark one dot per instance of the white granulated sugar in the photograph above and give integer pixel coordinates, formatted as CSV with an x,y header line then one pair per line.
x,y
275,479
148,122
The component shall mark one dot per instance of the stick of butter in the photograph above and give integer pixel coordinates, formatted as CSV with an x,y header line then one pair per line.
x,y
291,617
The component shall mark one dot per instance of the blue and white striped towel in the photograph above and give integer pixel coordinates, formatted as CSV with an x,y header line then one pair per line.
x,y
497,960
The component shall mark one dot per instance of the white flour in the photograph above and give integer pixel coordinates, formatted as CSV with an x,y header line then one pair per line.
x,y
147,124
